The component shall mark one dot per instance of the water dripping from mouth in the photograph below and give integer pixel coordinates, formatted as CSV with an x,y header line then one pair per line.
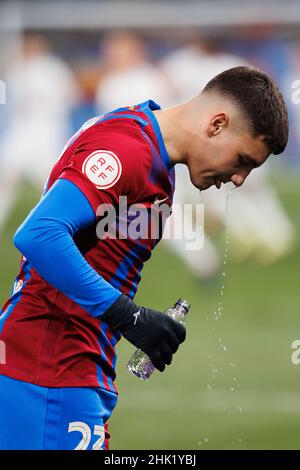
x,y
218,313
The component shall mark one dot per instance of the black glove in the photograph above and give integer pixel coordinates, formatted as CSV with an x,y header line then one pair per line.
x,y
155,333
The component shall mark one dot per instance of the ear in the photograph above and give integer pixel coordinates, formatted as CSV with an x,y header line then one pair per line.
x,y
217,123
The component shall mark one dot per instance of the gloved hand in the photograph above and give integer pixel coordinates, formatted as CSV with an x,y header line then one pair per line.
x,y
155,333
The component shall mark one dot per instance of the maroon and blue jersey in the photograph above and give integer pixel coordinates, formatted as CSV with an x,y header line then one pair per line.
x,y
52,340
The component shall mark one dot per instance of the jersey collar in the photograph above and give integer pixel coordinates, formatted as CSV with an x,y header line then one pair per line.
x,y
148,107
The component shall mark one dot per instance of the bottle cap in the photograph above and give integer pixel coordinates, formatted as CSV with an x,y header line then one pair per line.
x,y
184,304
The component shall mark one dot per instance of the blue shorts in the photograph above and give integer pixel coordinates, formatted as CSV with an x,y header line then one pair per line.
x,y
42,418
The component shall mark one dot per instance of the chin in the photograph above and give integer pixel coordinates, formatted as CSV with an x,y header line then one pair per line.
x,y
199,184
202,186
205,186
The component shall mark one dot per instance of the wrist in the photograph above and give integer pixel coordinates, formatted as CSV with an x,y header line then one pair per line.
x,y
120,314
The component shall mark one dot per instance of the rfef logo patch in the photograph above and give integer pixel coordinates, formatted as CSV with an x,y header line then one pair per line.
x,y
103,168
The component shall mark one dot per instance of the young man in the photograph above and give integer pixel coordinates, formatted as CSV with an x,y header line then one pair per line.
x,y
72,298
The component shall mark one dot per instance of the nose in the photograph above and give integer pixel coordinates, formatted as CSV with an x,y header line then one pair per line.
x,y
238,178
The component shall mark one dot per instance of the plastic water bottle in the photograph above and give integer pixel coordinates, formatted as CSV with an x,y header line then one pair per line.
x,y
139,364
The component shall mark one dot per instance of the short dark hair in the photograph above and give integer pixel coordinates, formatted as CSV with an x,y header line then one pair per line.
x,y
261,101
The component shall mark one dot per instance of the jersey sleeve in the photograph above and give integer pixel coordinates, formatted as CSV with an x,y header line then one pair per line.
x,y
108,161
46,239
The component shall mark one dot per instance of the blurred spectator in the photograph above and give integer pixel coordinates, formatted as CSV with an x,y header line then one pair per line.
x,y
127,75
87,75
40,93
279,58
259,226
192,65
255,208
292,87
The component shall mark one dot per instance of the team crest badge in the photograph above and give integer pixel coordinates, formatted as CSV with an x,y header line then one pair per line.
x,y
103,168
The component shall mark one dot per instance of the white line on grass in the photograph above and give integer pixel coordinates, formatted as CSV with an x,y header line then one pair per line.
x,y
267,401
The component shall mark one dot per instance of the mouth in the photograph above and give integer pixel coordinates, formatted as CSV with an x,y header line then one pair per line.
x,y
217,182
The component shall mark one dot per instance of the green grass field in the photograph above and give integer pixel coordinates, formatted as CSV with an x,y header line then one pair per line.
x,y
253,400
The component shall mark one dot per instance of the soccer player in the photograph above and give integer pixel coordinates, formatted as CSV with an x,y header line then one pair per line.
x,y
73,297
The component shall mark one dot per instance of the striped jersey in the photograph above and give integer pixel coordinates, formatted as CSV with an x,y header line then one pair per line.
x,y
50,340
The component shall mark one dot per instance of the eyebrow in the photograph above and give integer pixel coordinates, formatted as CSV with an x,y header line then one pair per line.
x,y
250,160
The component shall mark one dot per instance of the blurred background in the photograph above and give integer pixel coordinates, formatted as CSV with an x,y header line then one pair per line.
x,y
233,384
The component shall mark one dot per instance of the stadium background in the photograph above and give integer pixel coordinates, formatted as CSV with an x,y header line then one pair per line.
x,y
252,399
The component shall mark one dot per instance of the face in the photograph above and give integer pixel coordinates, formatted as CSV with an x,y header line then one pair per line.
x,y
228,153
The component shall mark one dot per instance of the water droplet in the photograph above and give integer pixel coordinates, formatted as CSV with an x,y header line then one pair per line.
x,y
231,389
206,440
209,387
234,379
224,348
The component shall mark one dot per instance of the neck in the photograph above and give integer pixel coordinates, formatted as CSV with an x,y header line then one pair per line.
x,y
177,130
